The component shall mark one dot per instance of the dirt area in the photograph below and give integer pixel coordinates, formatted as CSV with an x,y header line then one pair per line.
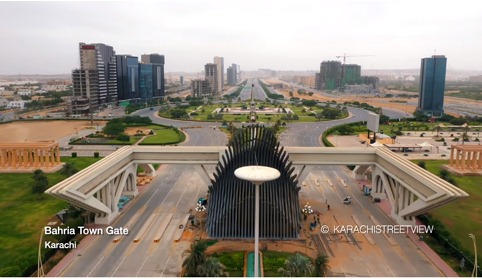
x,y
21,131
377,102
133,130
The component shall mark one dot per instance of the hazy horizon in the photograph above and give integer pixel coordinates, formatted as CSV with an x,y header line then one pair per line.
x,y
283,35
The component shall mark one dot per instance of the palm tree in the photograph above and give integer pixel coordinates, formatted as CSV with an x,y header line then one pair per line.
x,y
210,268
196,258
321,265
297,266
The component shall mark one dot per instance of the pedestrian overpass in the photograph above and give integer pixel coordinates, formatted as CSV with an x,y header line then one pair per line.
x,y
410,189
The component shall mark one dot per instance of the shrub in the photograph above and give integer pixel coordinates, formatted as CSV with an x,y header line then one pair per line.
x,y
123,137
74,154
96,154
422,165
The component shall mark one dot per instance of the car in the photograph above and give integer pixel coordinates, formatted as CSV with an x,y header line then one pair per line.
x,y
347,200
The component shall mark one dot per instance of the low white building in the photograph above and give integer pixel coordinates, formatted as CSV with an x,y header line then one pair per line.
x,y
24,92
17,104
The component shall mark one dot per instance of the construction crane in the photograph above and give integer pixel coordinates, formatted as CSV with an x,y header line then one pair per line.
x,y
344,56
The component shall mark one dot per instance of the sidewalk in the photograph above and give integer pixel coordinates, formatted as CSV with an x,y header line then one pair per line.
x,y
431,255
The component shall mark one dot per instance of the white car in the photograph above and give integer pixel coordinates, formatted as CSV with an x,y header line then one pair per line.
x,y
347,200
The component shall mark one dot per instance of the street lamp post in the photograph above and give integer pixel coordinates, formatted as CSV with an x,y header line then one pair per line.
x,y
40,268
474,271
256,175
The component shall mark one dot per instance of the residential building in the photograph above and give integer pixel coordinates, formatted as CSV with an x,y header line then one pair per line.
x,y
211,76
200,88
127,77
95,83
232,74
432,85
17,104
351,74
330,75
219,61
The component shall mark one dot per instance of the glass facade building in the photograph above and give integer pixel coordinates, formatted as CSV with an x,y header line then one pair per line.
x,y
127,77
432,85
146,81
157,63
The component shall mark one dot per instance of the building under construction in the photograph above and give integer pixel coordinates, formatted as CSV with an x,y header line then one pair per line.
x,y
335,76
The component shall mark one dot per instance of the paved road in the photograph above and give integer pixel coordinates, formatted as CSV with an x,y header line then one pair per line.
x,y
168,199
387,255
258,92
177,188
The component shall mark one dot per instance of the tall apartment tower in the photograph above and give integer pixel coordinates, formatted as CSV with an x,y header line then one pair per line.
x,y
219,61
212,77
154,85
127,77
432,85
95,83
232,74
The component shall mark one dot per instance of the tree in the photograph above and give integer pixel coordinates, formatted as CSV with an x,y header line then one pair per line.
x,y
40,183
178,113
330,113
113,128
422,165
195,258
297,266
68,169
210,268
346,130
384,119
321,265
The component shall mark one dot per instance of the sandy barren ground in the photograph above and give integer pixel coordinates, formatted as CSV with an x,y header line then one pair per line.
x,y
22,131
374,101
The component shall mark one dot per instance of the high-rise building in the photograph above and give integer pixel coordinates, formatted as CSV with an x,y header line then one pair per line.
x,y
232,74
212,77
432,85
127,77
157,64
200,88
351,74
95,83
330,75
219,61
146,83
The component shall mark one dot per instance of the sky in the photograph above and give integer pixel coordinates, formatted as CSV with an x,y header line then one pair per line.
x,y
42,37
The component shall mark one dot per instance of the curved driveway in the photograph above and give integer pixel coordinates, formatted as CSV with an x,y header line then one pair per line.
x,y
297,134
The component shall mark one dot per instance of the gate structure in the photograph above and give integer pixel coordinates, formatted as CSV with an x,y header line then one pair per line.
x,y
232,200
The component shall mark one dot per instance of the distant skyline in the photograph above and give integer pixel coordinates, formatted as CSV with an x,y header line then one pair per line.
x,y
43,37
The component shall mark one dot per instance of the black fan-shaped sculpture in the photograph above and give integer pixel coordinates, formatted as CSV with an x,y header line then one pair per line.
x,y
231,201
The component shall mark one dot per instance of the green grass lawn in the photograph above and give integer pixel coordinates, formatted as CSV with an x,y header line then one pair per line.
x,y
163,135
202,115
272,261
23,215
132,140
463,216
233,261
